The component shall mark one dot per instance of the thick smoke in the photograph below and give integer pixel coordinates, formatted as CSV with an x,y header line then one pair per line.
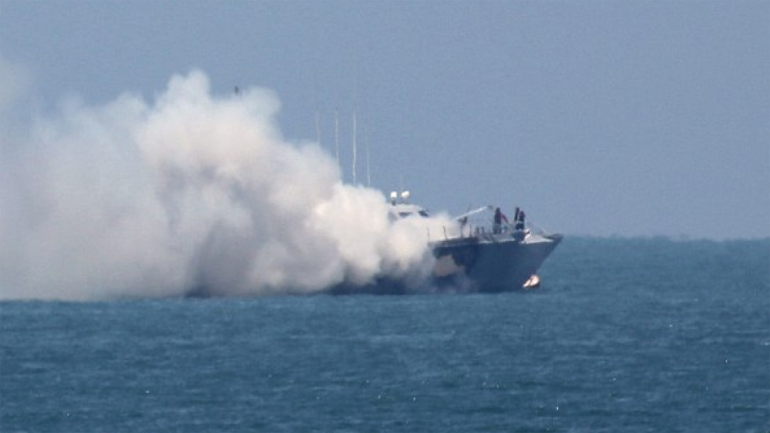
x,y
188,194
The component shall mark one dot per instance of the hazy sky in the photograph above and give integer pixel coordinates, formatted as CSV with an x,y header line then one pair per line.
x,y
601,118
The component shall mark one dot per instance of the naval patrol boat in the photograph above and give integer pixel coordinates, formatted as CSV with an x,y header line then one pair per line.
x,y
490,253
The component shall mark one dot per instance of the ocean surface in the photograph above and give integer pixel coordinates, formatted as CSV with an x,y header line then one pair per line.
x,y
625,335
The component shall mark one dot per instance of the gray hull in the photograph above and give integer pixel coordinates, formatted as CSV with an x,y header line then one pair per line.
x,y
476,264
491,264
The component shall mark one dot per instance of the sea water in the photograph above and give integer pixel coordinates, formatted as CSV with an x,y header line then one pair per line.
x,y
631,335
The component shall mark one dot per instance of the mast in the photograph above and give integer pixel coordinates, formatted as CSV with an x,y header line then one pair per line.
x,y
337,137
355,146
368,167
317,114
355,132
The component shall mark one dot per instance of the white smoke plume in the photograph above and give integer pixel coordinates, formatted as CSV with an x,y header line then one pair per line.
x,y
188,194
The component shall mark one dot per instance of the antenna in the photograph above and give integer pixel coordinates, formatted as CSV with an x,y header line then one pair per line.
x,y
355,134
337,137
355,146
317,114
368,167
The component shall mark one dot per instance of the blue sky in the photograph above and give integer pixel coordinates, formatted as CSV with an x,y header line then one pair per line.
x,y
631,118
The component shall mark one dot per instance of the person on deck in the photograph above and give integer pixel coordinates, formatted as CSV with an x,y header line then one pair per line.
x,y
498,222
520,220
